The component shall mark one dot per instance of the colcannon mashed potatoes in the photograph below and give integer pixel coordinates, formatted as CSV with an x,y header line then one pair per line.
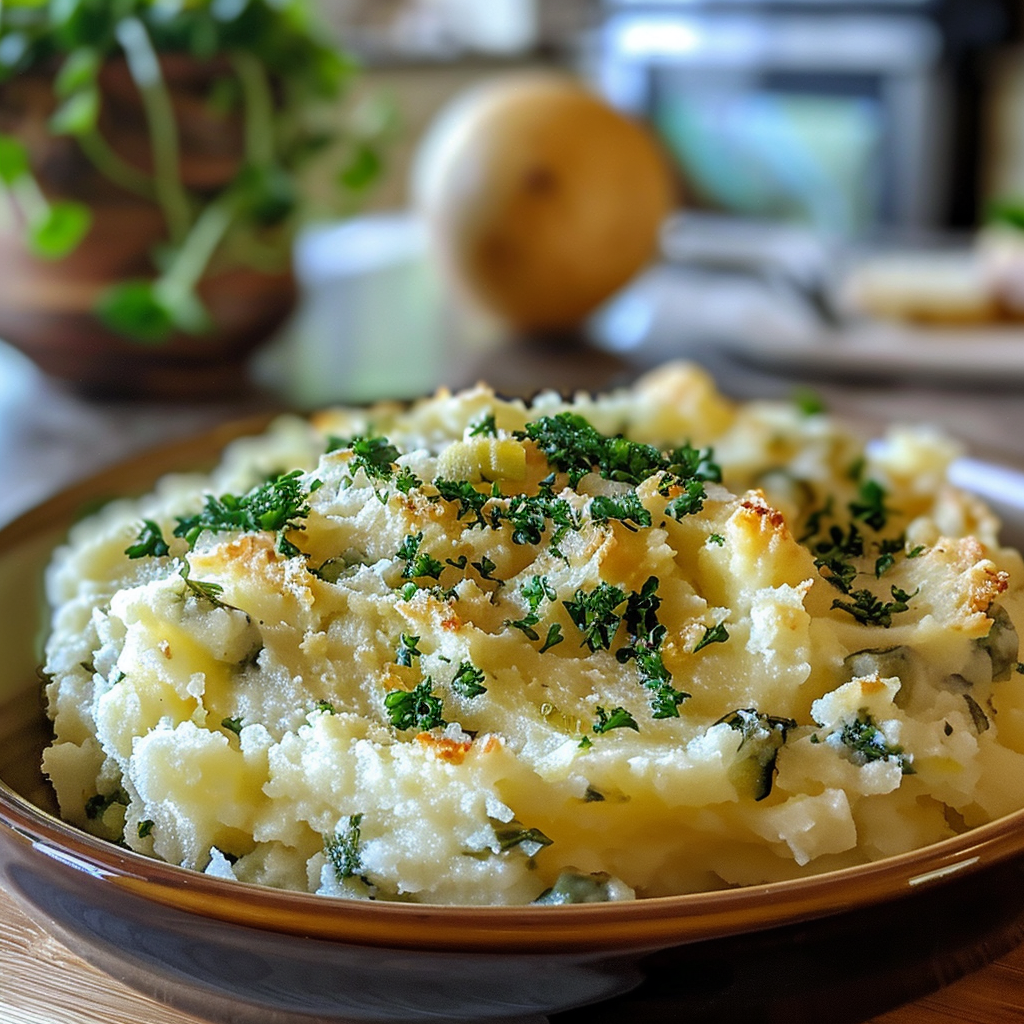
x,y
478,651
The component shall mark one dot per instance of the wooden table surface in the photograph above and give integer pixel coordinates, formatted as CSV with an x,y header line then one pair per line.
x,y
41,982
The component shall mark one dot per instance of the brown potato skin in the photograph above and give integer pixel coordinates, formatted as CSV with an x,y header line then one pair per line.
x,y
542,199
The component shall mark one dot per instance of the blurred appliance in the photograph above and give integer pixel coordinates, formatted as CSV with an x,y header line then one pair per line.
x,y
842,115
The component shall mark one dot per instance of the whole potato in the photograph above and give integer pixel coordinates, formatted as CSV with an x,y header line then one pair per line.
x,y
542,199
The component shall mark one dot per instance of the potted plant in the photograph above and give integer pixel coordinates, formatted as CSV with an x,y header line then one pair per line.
x,y
150,154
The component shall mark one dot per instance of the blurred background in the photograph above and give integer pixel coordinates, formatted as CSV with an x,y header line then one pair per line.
x,y
838,203
838,114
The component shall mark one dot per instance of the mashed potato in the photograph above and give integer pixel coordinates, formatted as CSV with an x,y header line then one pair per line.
x,y
474,651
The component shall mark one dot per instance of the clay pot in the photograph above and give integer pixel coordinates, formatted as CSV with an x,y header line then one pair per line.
x,y
46,308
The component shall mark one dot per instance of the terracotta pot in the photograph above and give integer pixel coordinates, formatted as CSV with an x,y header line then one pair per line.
x,y
46,308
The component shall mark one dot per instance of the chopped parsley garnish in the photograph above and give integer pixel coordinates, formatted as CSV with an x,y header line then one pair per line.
x,y
145,828
646,636
553,638
325,707
203,589
150,542
415,708
96,806
596,615
617,718
417,563
466,496
407,650
814,520
569,443
406,480
868,743
697,463
690,502
627,509
276,506
530,840
484,427
535,591
870,505
835,556
468,680
232,724
485,567
529,515
525,626
873,611
375,456
575,447
887,552
716,538
342,848
717,634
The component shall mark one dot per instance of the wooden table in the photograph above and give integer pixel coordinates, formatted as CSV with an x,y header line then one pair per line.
x,y
41,982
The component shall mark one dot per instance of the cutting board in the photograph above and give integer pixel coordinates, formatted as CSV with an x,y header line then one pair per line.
x,y
41,982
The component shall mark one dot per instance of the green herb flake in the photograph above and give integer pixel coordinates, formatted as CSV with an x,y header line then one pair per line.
x,y
554,637
513,835
617,718
375,456
342,848
596,614
275,506
870,507
417,708
418,564
626,510
690,502
486,567
462,493
868,743
150,542
96,806
407,650
406,480
468,680
887,552
145,828
870,610
484,427
204,590
717,634
232,724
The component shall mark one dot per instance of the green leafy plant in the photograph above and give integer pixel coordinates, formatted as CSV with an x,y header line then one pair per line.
x,y
268,68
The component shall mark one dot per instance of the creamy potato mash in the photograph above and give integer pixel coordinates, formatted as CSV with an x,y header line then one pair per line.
x,y
477,651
